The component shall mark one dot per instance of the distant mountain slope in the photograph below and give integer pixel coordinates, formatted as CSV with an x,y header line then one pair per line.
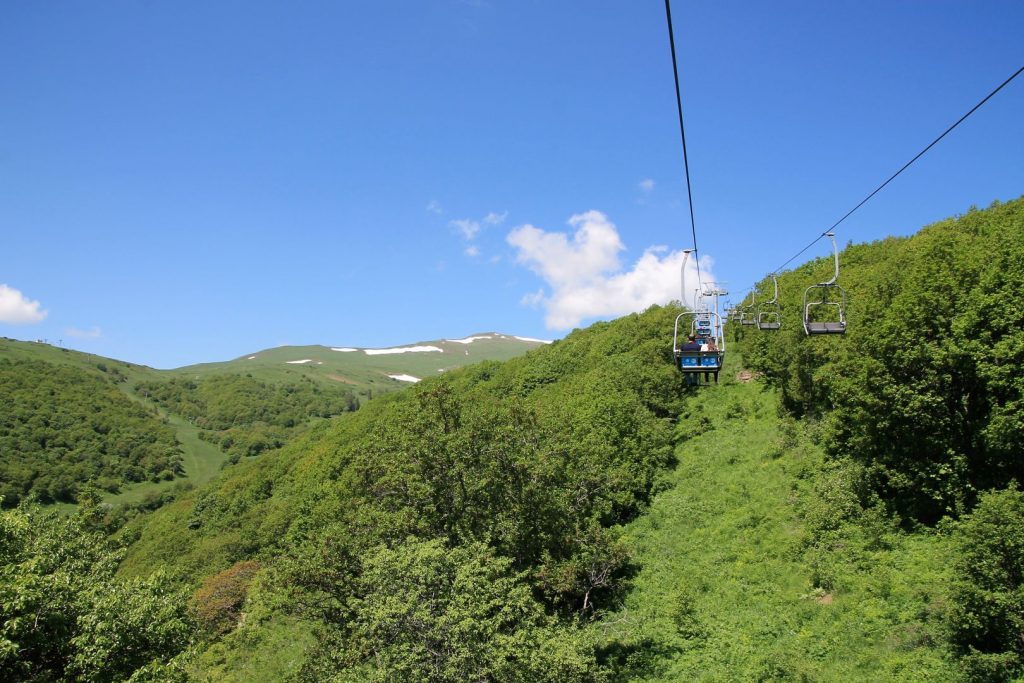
x,y
267,395
13,349
373,369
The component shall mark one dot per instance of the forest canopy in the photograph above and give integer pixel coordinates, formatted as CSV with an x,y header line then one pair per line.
x,y
63,426
245,416
925,389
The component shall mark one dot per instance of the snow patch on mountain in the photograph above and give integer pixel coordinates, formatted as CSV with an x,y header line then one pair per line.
x,y
403,349
405,378
470,340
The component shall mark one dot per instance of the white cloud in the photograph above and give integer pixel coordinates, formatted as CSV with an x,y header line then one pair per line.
x,y
470,228
467,227
495,218
434,206
646,185
585,275
472,250
16,309
564,264
533,299
94,333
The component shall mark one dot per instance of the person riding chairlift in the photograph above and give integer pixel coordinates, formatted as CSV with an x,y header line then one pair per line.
x,y
709,345
691,378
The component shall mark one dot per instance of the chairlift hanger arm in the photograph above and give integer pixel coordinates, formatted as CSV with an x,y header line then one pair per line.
x,y
835,254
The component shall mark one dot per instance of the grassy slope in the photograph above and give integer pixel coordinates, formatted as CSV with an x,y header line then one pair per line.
x,y
726,592
21,350
727,586
362,370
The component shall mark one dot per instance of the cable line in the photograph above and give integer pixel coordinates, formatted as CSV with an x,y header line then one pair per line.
x,y
905,166
682,134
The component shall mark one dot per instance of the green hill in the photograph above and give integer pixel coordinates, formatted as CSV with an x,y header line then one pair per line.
x,y
63,425
925,390
849,511
216,413
368,370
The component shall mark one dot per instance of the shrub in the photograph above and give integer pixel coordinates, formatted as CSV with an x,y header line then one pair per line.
x,y
218,602
986,620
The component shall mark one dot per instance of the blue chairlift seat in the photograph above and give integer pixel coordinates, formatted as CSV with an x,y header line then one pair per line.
x,y
700,361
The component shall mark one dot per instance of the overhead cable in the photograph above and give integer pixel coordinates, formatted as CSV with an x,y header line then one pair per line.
x,y
904,167
682,134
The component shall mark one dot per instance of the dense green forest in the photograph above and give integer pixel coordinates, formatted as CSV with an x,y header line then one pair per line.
x,y
63,426
925,390
852,512
245,416
65,615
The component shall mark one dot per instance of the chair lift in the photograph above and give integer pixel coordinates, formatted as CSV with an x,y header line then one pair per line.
x,y
702,327
748,315
769,313
706,327
821,298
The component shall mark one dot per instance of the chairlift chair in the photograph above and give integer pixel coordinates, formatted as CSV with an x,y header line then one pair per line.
x,y
821,298
748,315
702,326
769,313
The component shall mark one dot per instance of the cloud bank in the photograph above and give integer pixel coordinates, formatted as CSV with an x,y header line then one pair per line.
x,y
16,309
585,275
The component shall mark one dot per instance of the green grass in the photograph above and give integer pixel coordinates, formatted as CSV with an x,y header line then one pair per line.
x,y
727,588
273,650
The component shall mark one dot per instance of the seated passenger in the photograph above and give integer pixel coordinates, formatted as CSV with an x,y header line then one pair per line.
x,y
691,345
711,346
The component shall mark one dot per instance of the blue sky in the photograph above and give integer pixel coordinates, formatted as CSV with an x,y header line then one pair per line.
x,y
191,181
